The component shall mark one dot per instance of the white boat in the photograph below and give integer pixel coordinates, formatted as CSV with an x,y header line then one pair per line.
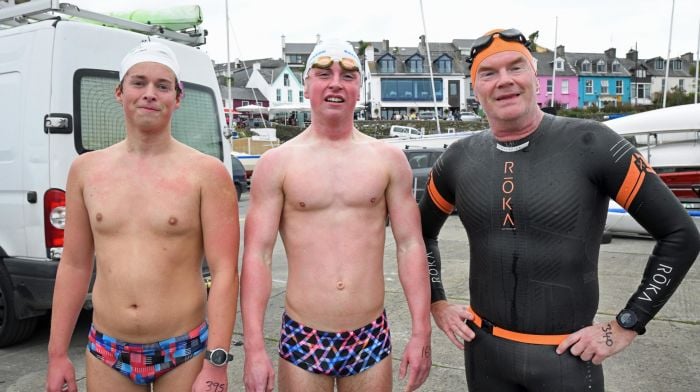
x,y
669,139
429,141
248,150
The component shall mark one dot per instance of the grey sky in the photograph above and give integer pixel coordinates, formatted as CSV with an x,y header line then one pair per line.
x,y
583,26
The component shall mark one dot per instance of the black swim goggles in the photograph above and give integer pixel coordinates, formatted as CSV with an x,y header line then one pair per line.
x,y
483,42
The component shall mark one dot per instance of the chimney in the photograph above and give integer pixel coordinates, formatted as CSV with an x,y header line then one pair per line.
x,y
386,45
610,52
687,57
422,41
632,55
318,38
284,44
560,51
369,52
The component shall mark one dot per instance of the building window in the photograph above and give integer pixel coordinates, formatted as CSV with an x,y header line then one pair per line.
x,y
559,65
618,87
289,95
589,87
286,80
410,89
564,86
641,73
681,85
301,96
642,90
279,94
387,65
659,63
295,59
663,84
600,66
444,65
586,66
604,87
616,66
415,65
549,86
677,65
245,103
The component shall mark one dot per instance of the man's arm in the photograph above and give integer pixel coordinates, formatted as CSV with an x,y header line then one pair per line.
x,y
413,271
435,207
659,211
261,227
220,231
72,281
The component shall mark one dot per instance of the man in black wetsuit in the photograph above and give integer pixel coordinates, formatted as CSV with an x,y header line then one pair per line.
x,y
532,193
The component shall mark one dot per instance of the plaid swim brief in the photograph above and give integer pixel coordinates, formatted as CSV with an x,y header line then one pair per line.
x,y
143,363
336,354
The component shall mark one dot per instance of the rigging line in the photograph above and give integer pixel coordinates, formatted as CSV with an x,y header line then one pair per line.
x,y
430,67
245,68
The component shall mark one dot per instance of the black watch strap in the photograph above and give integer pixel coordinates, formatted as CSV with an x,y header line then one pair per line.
x,y
627,319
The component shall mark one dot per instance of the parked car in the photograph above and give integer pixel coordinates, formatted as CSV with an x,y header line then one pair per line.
x,y
426,115
421,161
405,132
469,116
240,179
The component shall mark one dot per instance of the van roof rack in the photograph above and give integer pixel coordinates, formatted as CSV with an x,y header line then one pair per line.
x,y
19,12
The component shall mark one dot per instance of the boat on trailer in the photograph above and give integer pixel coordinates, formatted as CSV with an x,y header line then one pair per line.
x,y
669,139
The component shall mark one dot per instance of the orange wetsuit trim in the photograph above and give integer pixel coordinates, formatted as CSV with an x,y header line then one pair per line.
x,y
550,340
633,180
437,198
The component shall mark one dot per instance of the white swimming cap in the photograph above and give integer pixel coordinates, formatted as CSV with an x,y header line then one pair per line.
x,y
335,49
149,51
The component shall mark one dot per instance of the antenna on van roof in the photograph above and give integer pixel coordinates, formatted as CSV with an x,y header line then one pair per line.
x,y
15,13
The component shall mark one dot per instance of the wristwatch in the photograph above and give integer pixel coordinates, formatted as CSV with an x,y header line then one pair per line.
x,y
628,319
218,357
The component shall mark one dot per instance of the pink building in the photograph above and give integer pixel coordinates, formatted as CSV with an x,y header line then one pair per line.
x,y
565,86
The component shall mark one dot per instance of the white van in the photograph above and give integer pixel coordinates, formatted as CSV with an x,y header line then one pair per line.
x,y
57,81
405,132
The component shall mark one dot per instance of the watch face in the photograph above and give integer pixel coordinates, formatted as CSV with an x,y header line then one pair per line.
x,y
627,319
218,357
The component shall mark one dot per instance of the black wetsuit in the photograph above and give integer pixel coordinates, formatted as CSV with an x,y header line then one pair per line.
x,y
534,211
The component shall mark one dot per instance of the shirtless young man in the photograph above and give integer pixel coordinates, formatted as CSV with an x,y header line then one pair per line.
x,y
148,209
327,192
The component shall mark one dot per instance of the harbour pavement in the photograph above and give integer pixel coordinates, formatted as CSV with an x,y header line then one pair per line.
x,y
666,358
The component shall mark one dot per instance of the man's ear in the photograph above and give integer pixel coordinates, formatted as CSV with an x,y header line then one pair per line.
x,y
118,91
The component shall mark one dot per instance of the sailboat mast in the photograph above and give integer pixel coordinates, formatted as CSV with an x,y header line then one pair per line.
x,y
228,72
430,68
668,55
554,61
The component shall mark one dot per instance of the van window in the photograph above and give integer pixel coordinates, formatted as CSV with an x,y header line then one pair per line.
x,y
99,119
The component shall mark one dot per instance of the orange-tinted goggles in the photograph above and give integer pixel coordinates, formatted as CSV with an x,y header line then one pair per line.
x,y
325,62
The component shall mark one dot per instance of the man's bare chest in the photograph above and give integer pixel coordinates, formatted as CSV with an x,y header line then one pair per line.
x,y
123,203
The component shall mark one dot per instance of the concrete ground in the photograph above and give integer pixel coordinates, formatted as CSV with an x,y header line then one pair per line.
x,y
667,358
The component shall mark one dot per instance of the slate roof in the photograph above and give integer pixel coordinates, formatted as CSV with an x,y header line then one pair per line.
x,y
676,73
544,65
577,59
248,94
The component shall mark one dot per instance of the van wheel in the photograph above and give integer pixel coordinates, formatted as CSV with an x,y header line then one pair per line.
x,y
12,330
